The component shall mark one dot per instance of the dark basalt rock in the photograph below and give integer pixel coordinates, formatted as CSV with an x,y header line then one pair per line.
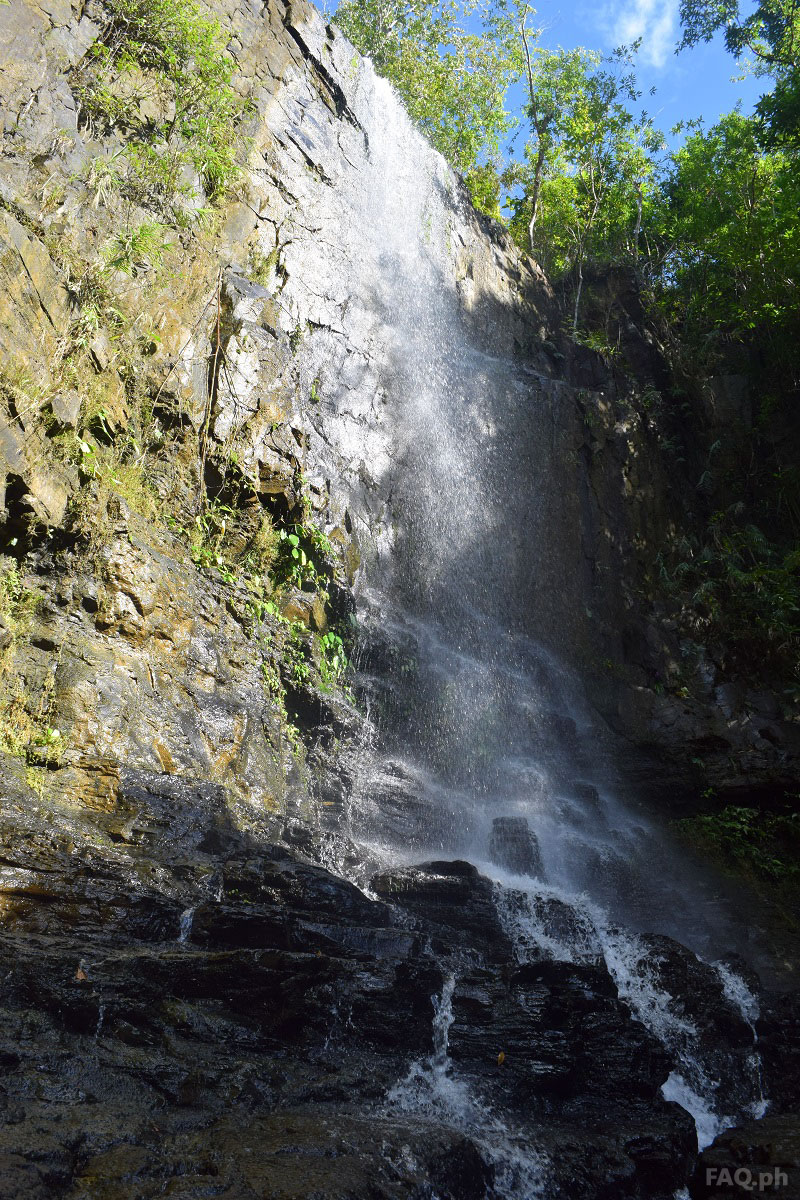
x,y
697,991
251,1058
760,1158
586,792
778,1029
514,846
454,896
564,1035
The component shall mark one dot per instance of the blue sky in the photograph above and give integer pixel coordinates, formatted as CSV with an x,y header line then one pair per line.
x,y
694,83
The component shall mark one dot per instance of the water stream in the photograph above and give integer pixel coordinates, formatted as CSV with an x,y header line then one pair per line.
x,y
433,1090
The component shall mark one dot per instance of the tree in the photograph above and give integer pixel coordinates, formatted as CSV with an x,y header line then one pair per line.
x,y
588,161
730,226
551,80
770,36
453,82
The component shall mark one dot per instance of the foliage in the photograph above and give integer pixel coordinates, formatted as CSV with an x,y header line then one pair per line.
x,y
589,163
769,38
453,81
597,340
729,233
18,603
333,660
139,249
277,693
160,72
216,540
261,548
550,80
25,729
112,461
765,845
739,591
302,651
207,547
297,556
303,557
93,303
117,471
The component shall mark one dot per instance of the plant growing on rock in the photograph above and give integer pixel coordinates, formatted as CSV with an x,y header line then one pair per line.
x,y
160,72
207,546
305,556
739,590
18,605
761,846
138,249
333,661
241,550
26,730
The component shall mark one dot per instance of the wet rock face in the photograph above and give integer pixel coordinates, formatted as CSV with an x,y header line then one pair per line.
x,y
453,896
699,993
513,845
143,664
200,1004
760,1158
303,391
191,1005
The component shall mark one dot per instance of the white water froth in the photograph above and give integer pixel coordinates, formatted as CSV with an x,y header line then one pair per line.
x,y
526,912
433,1090
744,999
708,1125
739,994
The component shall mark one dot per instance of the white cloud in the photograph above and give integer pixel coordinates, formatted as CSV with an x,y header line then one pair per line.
x,y
654,21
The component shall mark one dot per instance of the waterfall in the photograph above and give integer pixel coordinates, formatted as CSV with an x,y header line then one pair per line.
x,y
433,1091
701,1068
186,922
482,734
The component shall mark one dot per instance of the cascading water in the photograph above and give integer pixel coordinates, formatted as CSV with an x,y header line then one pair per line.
x,y
433,1089
476,718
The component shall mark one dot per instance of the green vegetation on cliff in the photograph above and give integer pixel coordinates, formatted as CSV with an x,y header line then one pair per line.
x,y
159,73
763,847
119,404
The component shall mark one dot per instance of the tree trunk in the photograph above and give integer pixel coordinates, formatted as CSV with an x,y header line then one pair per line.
x,y
537,187
578,295
638,227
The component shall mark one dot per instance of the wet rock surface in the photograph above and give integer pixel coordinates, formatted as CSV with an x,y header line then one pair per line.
x,y
302,392
513,845
207,1014
762,1158
195,1011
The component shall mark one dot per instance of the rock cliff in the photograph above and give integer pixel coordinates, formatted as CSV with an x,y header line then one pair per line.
x,y
279,290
